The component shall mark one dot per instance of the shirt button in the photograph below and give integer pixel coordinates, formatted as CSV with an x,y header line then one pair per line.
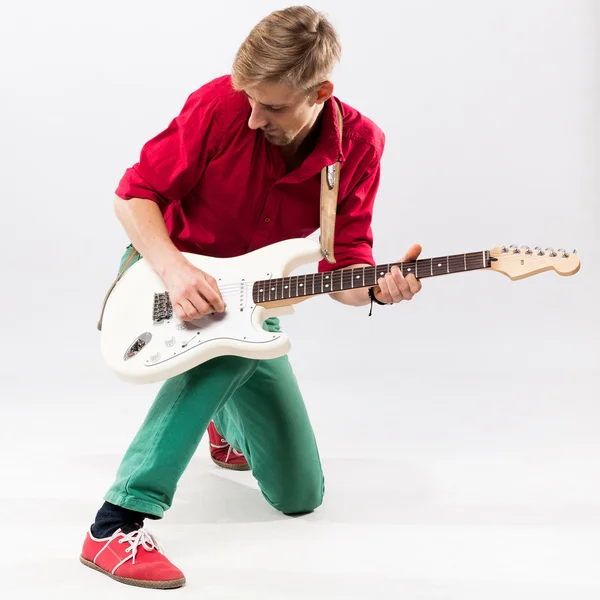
x,y
267,219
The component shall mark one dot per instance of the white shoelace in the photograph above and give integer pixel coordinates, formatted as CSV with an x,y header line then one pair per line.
x,y
135,539
231,449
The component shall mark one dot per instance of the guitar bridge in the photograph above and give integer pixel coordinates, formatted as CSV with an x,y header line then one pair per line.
x,y
162,309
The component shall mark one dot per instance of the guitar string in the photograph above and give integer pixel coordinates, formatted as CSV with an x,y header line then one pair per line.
x,y
456,261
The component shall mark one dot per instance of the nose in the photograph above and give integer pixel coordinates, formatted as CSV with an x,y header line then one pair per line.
x,y
256,119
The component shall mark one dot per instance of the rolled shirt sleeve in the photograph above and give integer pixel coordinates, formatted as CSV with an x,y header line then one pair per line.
x,y
172,162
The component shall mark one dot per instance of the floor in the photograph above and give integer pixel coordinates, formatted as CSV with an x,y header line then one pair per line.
x,y
466,497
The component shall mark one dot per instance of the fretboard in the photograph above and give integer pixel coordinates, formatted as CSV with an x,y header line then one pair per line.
x,y
297,286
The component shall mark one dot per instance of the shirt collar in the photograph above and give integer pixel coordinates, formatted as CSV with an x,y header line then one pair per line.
x,y
330,133
328,149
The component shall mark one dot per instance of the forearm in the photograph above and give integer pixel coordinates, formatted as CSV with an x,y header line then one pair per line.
x,y
355,297
146,228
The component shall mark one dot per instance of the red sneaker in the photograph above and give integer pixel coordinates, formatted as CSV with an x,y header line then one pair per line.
x,y
134,558
223,454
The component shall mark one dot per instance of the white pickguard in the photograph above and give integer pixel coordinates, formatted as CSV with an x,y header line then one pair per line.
x,y
141,350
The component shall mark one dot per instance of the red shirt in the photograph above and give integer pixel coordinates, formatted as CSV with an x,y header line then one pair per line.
x,y
223,189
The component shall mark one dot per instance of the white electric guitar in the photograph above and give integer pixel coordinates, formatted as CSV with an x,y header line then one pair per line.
x,y
143,341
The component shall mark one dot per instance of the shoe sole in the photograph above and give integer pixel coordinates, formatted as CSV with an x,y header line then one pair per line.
x,y
155,585
225,465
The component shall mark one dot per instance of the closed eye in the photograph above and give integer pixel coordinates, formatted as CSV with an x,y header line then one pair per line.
x,y
267,106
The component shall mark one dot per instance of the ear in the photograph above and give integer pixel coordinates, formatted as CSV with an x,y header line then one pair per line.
x,y
323,92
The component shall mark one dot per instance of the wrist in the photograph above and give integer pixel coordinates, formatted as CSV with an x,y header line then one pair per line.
x,y
167,264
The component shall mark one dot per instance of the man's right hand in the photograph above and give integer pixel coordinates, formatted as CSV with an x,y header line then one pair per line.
x,y
193,292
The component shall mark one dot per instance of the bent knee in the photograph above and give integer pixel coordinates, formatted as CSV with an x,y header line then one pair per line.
x,y
299,501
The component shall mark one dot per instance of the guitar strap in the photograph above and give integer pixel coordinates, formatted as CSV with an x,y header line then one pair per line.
x,y
330,184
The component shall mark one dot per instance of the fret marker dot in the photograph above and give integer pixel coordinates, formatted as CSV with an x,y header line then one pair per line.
x,y
358,277
439,264
382,273
408,269
273,289
301,284
262,290
326,285
286,287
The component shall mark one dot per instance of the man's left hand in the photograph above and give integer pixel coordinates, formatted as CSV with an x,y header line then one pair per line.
x,y
394,287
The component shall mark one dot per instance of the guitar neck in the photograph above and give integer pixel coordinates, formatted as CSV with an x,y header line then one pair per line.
x,y
312,284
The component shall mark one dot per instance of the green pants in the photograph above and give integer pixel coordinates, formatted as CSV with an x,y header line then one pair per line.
x,y
255,404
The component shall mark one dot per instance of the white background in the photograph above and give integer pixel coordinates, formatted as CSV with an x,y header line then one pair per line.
x,y
459,432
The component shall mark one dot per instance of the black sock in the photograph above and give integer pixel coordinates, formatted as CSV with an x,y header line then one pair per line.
x,y
111,517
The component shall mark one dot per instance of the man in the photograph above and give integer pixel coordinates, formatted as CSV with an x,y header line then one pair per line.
x,y
236,170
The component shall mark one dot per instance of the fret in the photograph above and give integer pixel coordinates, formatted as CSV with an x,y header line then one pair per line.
x,y
417,268
431,266
465,257
483,260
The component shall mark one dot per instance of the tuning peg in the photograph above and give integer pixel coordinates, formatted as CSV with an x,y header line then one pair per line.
x,y
565,254
515,249
504,249
527,249
552,252
540,251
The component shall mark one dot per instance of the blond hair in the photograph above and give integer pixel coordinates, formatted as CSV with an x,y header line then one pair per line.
x,y
297,46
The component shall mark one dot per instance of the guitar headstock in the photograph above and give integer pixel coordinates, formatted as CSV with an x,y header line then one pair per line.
x,y
518,263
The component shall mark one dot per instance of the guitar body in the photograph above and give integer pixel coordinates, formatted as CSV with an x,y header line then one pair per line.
x,y
145,342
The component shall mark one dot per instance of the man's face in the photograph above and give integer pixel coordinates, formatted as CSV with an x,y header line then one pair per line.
x,y
281,112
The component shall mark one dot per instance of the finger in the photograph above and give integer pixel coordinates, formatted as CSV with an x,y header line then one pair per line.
x,y
412,253
200,306
180,311
185,310
414,284
210,290
384,294
402,291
